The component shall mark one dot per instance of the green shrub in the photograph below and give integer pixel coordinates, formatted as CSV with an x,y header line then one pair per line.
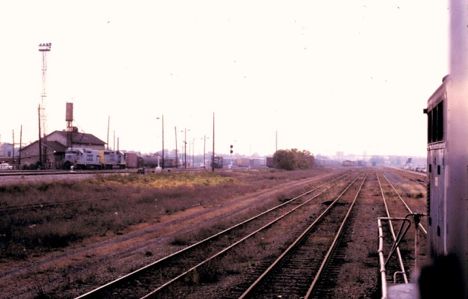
x,y
292,159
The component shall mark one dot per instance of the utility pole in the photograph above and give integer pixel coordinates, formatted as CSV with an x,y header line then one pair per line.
x,y
40,135
108,127
20,146
213,154
204,146
193,152
276,141
162,134
13,150
176,154
113,146
185,148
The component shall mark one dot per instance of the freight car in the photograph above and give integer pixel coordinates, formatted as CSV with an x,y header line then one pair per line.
x,y
132,160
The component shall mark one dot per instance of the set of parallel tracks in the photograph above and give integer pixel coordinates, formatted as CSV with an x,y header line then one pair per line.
x,y
155,279
396,206
298,271
20,173
405,204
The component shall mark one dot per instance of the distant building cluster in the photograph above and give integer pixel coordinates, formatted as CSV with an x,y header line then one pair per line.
x,y
6,152
54,146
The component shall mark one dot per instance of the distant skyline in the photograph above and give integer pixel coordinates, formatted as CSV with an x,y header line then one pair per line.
x,y
349,76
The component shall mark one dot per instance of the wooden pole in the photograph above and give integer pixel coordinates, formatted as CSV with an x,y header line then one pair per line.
x,y
213,154
20,146
40,137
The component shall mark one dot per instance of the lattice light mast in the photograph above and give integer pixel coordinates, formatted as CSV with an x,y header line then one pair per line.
x,y
44,48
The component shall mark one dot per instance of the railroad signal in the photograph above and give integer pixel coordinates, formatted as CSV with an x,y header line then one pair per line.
x,y
231,151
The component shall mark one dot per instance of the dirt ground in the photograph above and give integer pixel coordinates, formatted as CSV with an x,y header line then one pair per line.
x,y
78,268
75,269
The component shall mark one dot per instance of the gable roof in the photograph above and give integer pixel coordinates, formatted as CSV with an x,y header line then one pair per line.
x,y
77,138
51,145
55,146
81,138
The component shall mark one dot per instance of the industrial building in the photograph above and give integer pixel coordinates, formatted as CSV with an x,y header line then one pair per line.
x,y
6,152
54,146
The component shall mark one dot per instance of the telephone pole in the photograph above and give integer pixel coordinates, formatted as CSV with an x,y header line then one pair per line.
x,y
176,153
40,136
276,141
13,150
20,146
204,146
108,127
162,134
213,154
185,148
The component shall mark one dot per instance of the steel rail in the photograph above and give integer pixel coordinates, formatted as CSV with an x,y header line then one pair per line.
x,y
406,205
40,205
294,244
334,244
159,289
62,172
421,174
400,259
383,274
95,292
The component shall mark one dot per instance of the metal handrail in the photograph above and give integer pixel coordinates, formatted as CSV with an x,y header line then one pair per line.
x,y
383,276
400,259
401,234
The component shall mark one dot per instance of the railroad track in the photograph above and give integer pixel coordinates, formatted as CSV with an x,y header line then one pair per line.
x,y
412,248
297,271
418,177
397,211
41,205
61,172
405,204
396,207
155,279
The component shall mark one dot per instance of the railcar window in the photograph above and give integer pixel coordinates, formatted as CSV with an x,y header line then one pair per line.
x,y
435,124
440,121
429,126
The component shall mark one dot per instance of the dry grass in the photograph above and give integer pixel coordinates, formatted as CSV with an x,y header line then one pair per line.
x,y
107,206
413,190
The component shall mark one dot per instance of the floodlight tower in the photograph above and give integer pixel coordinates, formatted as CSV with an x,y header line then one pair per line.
x,y
44,48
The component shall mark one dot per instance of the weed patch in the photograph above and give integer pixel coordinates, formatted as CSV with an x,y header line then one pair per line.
x,y
48,216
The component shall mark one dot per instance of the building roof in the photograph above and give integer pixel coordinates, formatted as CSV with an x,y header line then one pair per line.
x,y
77,138
50,145
55,146
81,138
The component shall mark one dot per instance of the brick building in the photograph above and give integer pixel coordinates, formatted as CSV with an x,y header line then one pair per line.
x,y
54,146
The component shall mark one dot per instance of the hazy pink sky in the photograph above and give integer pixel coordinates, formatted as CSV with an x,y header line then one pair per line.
x,y
330,76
